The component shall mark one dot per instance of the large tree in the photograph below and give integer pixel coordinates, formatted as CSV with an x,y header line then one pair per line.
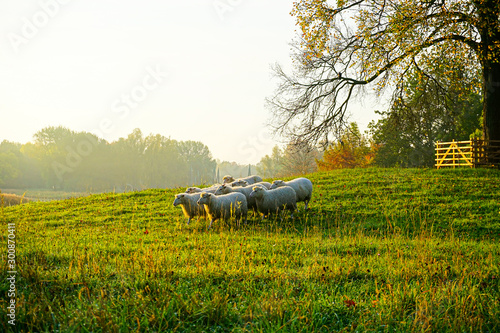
x,y
350,44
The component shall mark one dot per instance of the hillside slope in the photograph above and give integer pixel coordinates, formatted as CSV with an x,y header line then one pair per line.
x,y
463,201
365,256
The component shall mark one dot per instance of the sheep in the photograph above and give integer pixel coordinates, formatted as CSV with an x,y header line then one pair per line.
x,y
191,190
225,189
265,184
303,188
210,189
275,200
189,204
224,206
238,182
227,179
243,183
250,179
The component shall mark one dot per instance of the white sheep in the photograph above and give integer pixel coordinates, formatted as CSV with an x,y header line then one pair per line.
x,y
224,206
243,183
238,182
225,189
303,188
265,184
227,179
189,204
275,200
250,179
210,189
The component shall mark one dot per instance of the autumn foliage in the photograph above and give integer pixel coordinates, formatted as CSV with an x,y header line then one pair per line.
x,y
351,151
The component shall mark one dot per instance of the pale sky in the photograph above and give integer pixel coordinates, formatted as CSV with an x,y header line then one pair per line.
x,y
189,70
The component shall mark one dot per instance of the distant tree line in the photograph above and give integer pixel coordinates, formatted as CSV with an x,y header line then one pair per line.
x,y
294,159
61,159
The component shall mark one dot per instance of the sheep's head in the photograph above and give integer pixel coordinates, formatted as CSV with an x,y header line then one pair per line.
x,y
191,190
204,198
257,192
240,182
277,183
221,190
179,199
227,179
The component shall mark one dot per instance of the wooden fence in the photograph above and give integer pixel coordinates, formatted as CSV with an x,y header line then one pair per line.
x,y
474,153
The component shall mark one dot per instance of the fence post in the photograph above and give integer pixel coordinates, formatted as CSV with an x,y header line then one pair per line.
x,y
474,152
437,154
453,152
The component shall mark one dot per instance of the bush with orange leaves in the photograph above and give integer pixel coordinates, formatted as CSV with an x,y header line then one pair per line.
x,y
352,151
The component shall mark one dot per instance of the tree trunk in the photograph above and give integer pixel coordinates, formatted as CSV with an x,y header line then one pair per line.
x,y
491,102
489,29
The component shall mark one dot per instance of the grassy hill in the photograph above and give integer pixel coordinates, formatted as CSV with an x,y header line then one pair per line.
x,y
379,250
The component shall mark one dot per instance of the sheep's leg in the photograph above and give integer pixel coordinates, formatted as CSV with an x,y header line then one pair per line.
x,y
189,220
307,201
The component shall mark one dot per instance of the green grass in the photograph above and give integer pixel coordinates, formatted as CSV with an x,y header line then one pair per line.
x,y
380,250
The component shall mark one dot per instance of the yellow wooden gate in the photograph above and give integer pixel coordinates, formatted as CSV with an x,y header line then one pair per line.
x,y
472,154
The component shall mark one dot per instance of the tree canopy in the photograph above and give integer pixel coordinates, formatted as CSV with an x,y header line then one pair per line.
x,y
350,44
441,107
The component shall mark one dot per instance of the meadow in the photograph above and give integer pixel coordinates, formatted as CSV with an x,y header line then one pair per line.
x,y
379,250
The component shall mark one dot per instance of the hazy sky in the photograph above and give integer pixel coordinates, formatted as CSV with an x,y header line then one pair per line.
x,y
189,70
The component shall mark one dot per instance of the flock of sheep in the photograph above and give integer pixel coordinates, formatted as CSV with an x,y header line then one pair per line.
x,y
234,198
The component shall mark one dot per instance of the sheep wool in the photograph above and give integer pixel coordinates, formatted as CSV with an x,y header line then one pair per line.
x,y
225,189
210,189
250,179
224,206
189,205
275,200
238,182
265,184
303,187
